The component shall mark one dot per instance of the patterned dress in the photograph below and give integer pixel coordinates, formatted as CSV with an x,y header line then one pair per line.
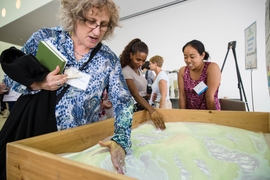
x,y
78,107
193,100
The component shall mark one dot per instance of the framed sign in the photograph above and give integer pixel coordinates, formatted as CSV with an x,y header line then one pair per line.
x,y
251,46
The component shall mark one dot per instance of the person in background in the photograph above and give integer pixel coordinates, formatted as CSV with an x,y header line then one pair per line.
x,y
161,84
84,25
9,97
199,80
149,76
132,58
4,110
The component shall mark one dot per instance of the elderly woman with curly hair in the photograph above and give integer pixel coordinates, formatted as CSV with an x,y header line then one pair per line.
x,y
84,25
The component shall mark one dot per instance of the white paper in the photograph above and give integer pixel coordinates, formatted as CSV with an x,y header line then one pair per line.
x,y
11,96
81,81
200,88
72,73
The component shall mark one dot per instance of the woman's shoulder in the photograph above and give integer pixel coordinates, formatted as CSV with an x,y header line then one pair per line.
x,y
213,69
126,70
107,49
182,69
42,34
212,65
163,73
47,32
108,53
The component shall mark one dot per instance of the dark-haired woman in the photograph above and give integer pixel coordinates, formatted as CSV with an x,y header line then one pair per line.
x,y
132,58
199,80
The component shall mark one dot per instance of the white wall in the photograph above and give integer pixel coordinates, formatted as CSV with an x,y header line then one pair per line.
x,y
12,13
215,23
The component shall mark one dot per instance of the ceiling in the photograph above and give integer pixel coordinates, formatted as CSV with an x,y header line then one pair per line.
x,y
18,31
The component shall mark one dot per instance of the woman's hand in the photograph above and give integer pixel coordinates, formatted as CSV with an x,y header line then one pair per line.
x,y
158,120
3,88
52,82
154,97
148,96
117,155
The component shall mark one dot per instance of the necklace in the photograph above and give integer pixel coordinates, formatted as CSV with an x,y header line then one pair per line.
x,y
82,55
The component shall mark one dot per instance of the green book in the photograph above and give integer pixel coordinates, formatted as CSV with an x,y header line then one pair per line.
x,y
50,57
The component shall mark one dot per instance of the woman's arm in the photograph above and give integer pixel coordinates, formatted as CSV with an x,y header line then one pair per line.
x,y
213,82
155,116
139,99
163,91
182,95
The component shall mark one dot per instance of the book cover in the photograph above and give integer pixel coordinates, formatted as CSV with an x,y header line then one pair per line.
x,y
50,57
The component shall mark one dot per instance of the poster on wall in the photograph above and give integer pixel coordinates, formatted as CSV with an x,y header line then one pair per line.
x,y
267,41
251,47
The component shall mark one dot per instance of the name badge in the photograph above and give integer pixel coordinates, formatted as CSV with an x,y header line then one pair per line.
x,y
77,78
200,88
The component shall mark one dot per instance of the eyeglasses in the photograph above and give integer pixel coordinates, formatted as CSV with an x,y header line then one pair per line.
x,y
93,25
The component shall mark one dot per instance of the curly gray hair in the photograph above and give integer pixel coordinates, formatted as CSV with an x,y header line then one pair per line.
x,y
72,10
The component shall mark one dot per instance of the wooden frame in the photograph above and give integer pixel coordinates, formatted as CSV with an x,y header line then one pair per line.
x,y
36,158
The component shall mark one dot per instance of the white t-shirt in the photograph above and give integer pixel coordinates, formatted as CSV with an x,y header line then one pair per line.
x,y
155,88
139,80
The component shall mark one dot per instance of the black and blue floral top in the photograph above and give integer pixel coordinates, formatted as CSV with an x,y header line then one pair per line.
x,y
78,107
